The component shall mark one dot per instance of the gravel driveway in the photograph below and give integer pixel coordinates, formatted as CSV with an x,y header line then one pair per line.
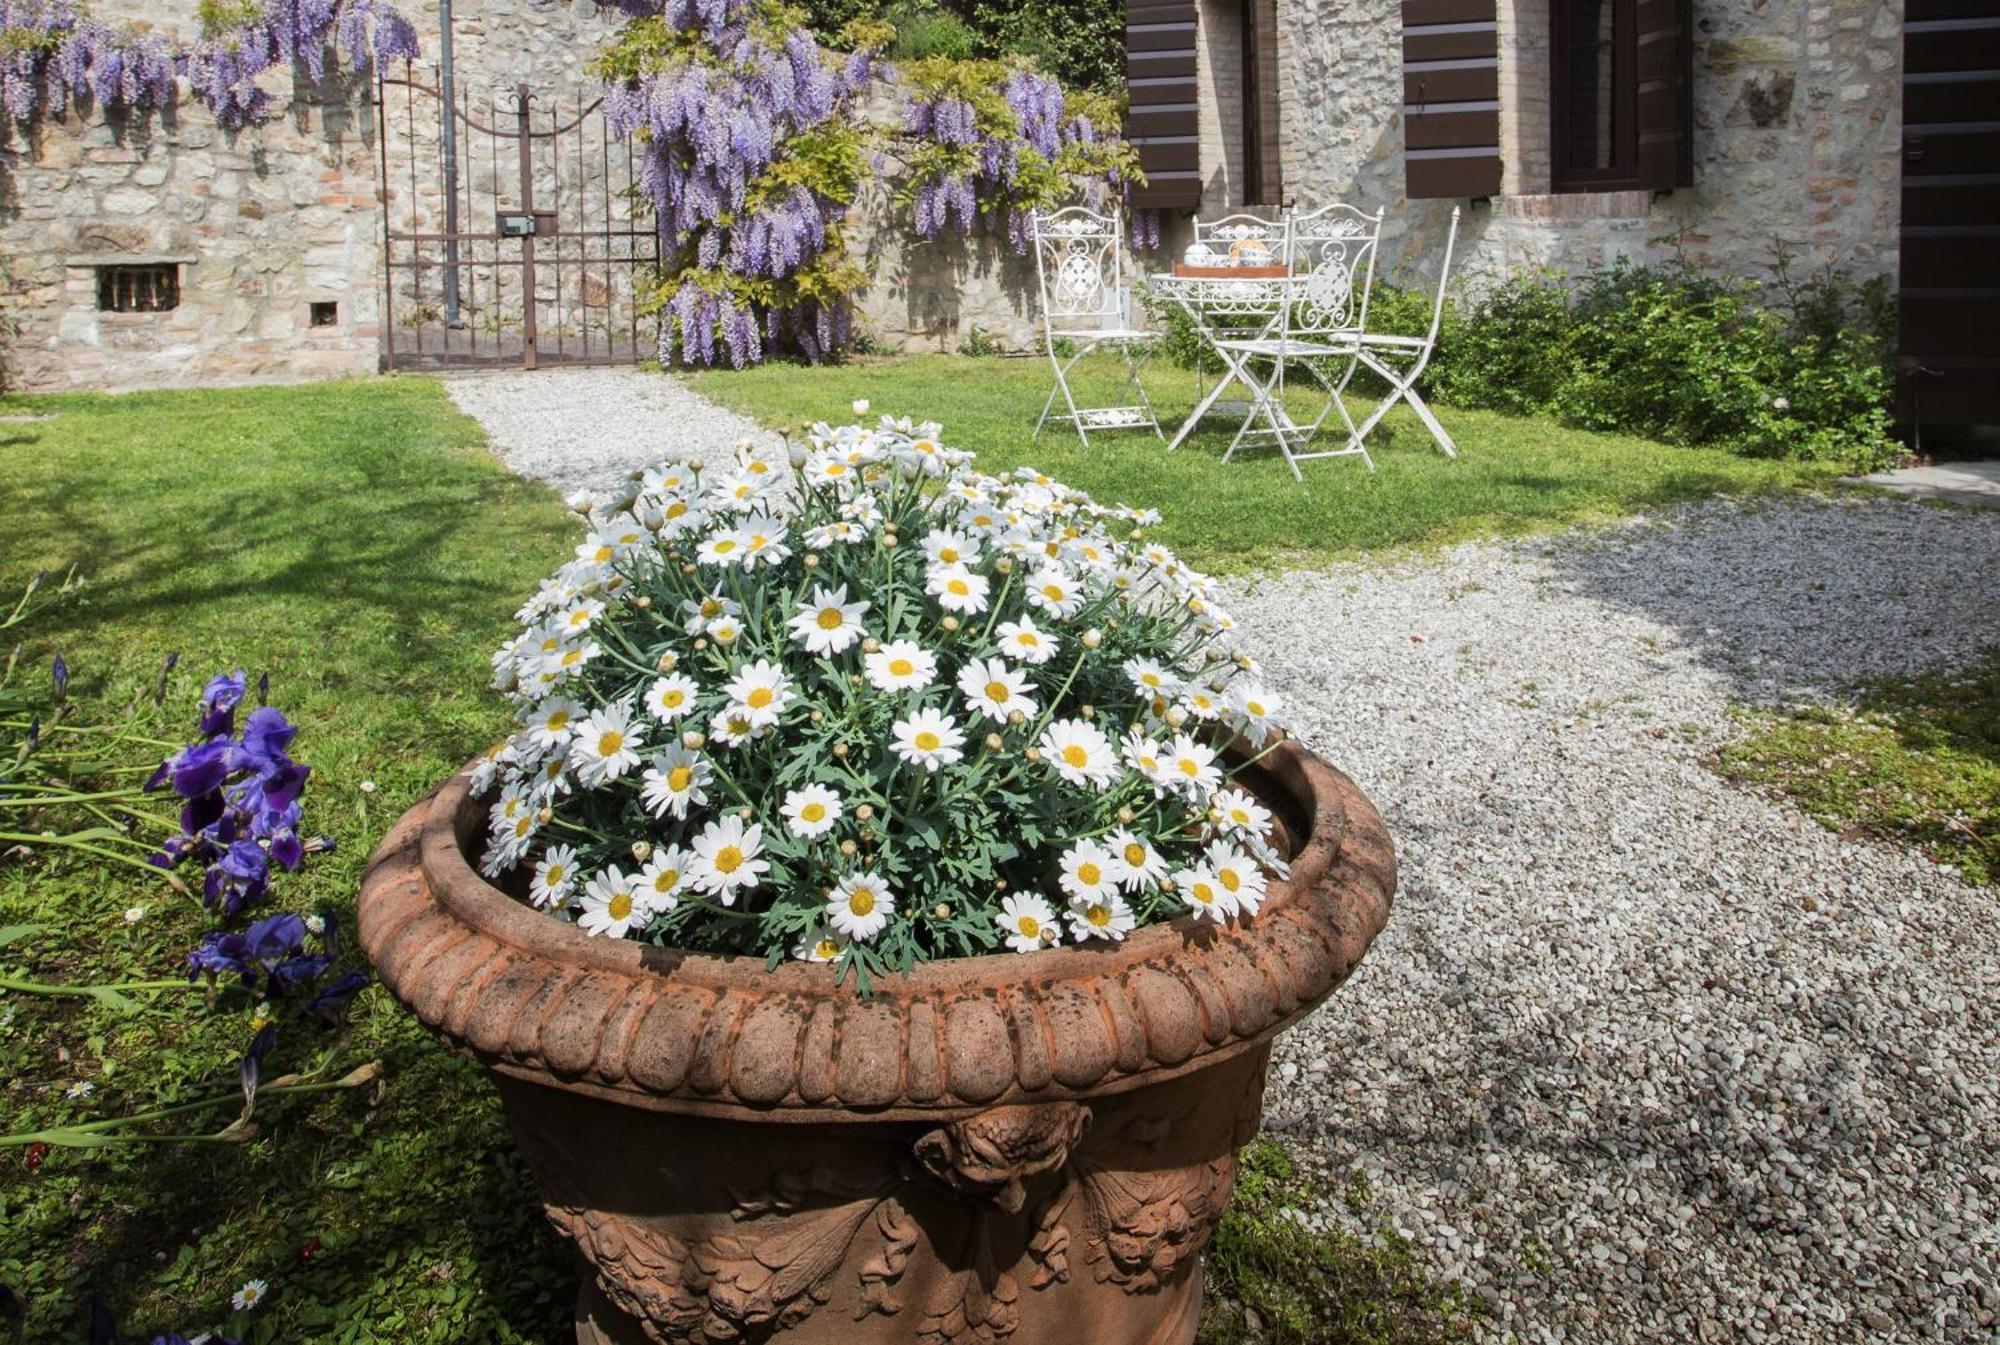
x,y
1641,1056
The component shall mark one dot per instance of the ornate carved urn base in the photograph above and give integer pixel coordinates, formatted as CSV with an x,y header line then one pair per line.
x,y
1025,1149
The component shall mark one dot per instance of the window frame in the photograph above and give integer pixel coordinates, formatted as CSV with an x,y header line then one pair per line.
x,y
1624,173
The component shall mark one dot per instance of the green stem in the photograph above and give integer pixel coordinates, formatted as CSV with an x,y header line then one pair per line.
x,y
25,838
56,1135
19,986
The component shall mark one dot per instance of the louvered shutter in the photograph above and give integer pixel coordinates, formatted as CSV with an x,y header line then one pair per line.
x,y
1451,98
1663,74
1265,185
1163,121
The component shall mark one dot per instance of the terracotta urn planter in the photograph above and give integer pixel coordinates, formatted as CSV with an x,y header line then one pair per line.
x,y
1026,1148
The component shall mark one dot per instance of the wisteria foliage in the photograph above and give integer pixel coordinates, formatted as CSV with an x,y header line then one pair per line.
x,y
55,55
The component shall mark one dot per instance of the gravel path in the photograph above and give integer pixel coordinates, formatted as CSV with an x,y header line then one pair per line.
x,y
1642,1056
576,428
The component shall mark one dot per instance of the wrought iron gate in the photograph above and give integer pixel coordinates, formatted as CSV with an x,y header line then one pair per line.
x,y
513,233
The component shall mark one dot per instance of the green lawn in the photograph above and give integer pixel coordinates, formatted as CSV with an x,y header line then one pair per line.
x,y
1914,760
1512,475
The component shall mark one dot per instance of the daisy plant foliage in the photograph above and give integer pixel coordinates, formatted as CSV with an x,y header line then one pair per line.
x,y
850,700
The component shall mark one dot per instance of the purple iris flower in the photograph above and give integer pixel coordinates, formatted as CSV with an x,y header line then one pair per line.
x,y
252,1068
331,1002
265,736
275,938
219,700
293,972
200,769
288,849
222,954
61,674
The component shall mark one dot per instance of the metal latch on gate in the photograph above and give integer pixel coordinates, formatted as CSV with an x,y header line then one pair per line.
x,y
527,223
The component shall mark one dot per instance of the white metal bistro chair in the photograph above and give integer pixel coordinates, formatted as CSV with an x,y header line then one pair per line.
x,y
1325,312
1401,360
1080,267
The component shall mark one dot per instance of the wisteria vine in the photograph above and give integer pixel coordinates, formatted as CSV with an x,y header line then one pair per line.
x,y
55,55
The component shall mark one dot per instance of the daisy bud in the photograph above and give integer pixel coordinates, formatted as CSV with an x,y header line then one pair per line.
x,y
1176,716
701,644
868,836
642,602
950,623
1033,754
871,645
1004,565
865,812
688,567
999,884
818,715
693,740
993,741
848,848
811,561
744,813
1136,534
1215,814
889,539
840,750
544,814
1197,606
1088,712
641,851
860,406
942,911
668,661
1093,638
1016,718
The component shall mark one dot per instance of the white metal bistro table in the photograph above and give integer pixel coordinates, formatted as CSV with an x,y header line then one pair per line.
x,y
1222,307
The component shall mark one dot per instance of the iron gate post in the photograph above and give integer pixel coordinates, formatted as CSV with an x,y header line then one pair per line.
x,y
529,356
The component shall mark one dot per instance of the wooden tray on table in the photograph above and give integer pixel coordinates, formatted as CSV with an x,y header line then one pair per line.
x,y
1229,272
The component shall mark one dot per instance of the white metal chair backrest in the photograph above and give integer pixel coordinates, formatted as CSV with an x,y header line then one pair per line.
x,y
1257,240
1333,270
1444,279
1080,267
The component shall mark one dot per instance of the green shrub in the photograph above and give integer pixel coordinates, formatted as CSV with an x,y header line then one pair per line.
x,y
922,30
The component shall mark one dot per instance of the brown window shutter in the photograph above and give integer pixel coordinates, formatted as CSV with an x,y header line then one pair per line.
x,y
1266,185
1162,120
1663,107
1451,98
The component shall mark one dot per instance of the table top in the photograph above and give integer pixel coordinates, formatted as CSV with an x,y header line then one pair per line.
x,y
1220,293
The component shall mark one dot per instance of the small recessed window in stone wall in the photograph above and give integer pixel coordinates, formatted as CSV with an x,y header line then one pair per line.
x,y
139,289
325,314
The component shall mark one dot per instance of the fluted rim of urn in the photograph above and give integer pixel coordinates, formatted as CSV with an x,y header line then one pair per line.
x,y
538,998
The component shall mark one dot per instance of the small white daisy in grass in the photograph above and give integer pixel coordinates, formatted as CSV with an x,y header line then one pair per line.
x,y
944,547
79,1090
676,781
957,589
812,811
1027,922
1135,863
735,724
710,607
1206,897
658,885
605,745
1189,767
994,690
761,688
726,858
1151,678
1079,753
901,665
1053,591
1242,812
1238,874
555,877
251,1296
818,944
930,739
610,905
1103,917
721,547
828,623
134,914
1027,642
551,723
1089,871
860,906
671,698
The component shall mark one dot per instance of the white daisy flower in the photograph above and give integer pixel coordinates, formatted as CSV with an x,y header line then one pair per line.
x,y
1253,706
1241,812
735,724
1202,703
1102,917
812,811
671,698
830,469
676,781
1089,872
1080,754
1054,592
818,944
610,905
1151,678
829,624
828,535
994,690
957,589
569,660
251,1296
576,619
700,612
605,745
1206,897
1238,874
555,877
725,546
1190,768
1135,863
763,541
1028,922
928,738
1027,642
943,547
860,907
761,688
726,858
725,631
597,549
658,886
134,914
901,665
